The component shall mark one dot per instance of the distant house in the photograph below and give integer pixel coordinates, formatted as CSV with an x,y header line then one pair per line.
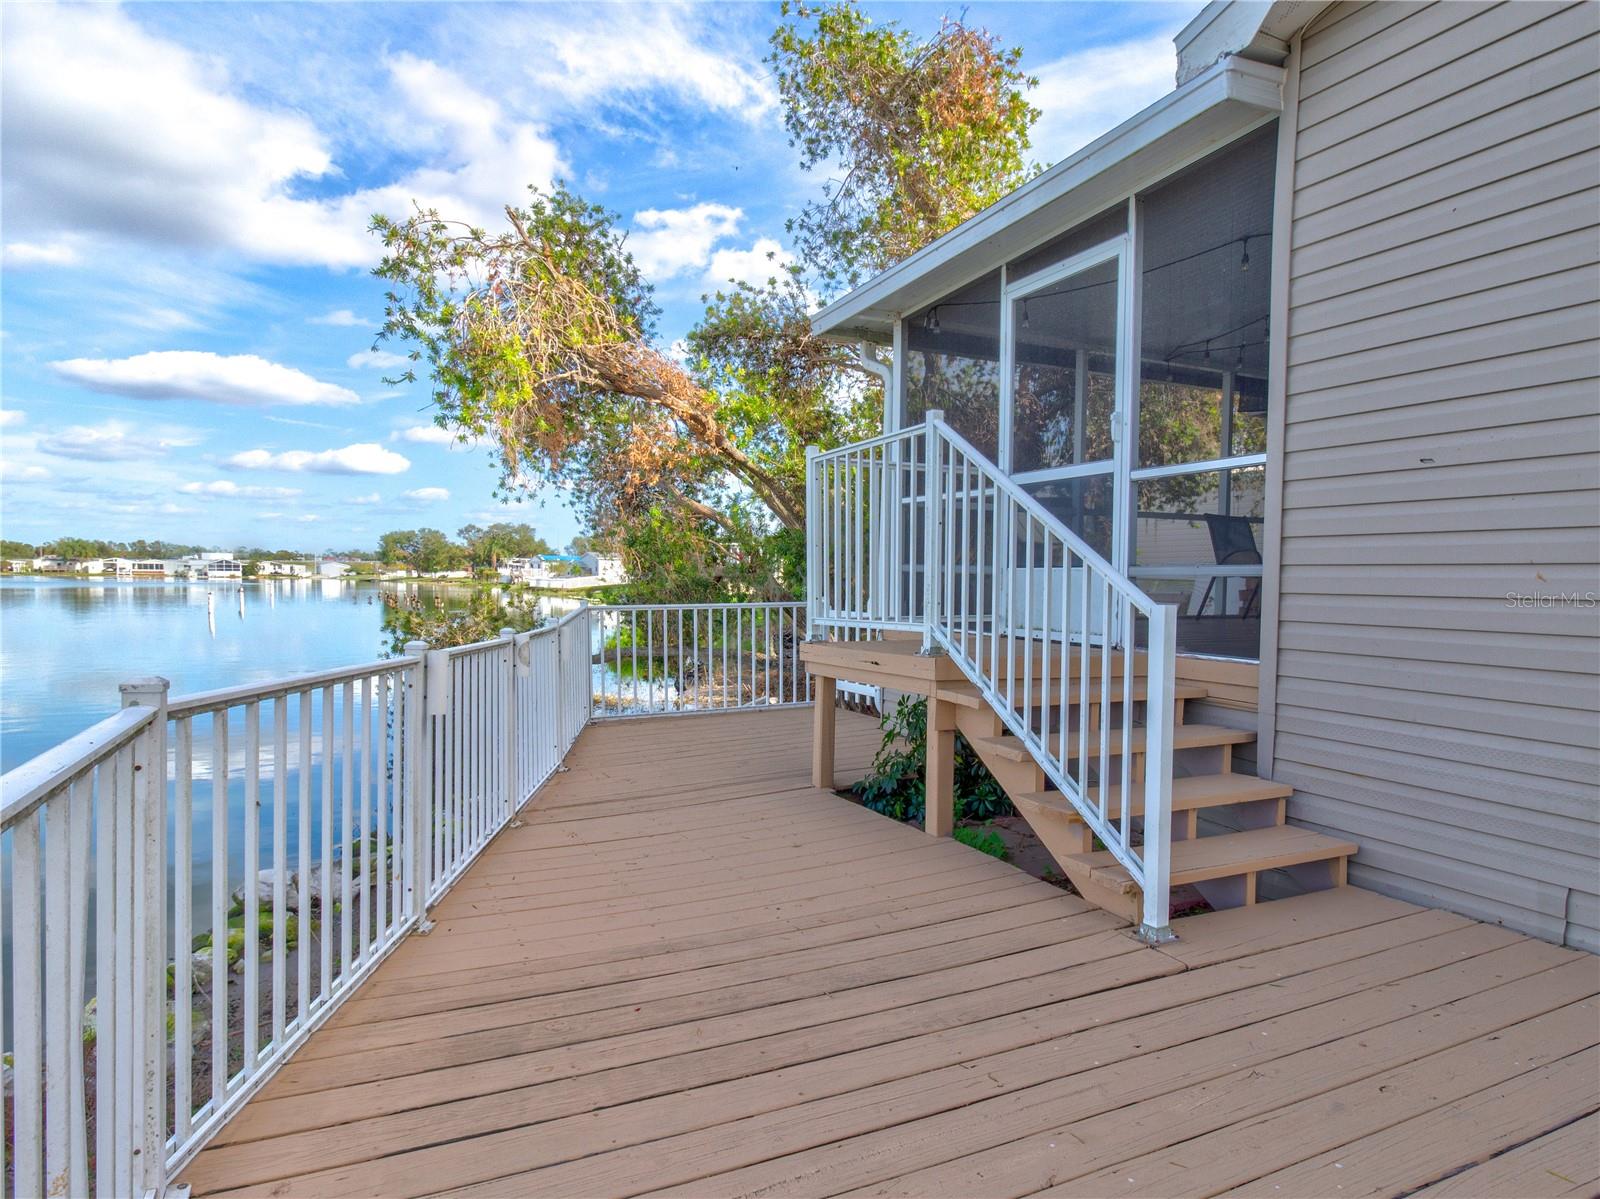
x,y
150,568
283,570
50,563
118,566
605,567
18,565
524,570
87,566
330,568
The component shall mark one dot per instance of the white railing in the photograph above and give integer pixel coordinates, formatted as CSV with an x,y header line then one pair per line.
x,y
656,659
918,529
301,827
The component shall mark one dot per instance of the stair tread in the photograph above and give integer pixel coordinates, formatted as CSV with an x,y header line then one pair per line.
x,y
1205,858
968,695
1188,793
1184,736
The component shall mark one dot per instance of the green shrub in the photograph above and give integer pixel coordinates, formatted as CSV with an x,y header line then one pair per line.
x,y
895,785
984,840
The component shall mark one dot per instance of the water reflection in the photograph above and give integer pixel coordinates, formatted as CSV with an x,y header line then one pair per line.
x,y
65,643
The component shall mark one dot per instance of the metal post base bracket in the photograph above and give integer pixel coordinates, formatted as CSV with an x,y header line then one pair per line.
x,y
1155,936
424,927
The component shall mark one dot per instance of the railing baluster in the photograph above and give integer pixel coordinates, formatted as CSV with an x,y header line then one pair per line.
x,y
221,900
346,841
280,862
302,858
182,936
325,875
251,950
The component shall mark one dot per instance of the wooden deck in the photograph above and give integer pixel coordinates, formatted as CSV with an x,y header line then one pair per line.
x,y
689,972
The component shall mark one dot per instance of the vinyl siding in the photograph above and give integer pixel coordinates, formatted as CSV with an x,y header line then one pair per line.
x,y
1441,450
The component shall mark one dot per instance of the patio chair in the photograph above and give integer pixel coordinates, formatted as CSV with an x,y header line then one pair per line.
x,y
1233,543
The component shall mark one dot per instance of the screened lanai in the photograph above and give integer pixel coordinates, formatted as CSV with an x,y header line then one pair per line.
x,y
1118,371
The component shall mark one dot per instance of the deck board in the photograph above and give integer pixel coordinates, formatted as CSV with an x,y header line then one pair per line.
x,y
688,972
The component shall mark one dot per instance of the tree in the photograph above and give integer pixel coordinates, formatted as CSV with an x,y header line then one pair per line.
x,y
488,547
927,132
542,336
399,546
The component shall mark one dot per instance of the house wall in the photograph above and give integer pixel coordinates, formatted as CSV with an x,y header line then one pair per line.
x,y
1439,453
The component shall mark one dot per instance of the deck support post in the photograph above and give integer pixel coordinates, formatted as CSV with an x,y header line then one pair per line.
x,y
824,718
509,749
939,769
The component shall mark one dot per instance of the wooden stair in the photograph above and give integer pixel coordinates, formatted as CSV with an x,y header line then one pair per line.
x,y
1225,867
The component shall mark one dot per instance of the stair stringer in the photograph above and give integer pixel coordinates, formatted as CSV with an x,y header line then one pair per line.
x,y
1063,836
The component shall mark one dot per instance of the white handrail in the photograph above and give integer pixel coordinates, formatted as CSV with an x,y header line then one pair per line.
x,y
918,529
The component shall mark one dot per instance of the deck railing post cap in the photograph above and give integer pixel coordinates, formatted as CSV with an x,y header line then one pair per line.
x,y
415,649
508,632
137,691
813,450
932,415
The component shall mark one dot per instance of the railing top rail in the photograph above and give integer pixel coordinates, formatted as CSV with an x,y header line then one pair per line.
x,y
1049,520
22,790
910,433
226,697
667,607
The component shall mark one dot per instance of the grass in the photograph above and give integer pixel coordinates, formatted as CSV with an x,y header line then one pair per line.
x,y
984,840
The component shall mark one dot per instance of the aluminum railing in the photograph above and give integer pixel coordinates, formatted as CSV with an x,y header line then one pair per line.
x,y
656,659
302,826
918,529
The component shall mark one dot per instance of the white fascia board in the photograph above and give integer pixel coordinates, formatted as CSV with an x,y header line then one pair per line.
x,y
1255,29
1210,110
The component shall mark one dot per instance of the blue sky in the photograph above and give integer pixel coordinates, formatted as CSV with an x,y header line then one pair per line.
x,y
185,302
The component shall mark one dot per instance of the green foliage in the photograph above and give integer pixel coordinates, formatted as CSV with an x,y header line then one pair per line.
x,y
984,840
927,132
15,549
424,550
489,546
895,784
485,613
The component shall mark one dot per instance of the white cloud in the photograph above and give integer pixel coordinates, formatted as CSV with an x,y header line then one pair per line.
x,y
762,261
110,130
228,489
114,441
10,418
622,52
54,253
382,359
669,241
240,379
341,318
21,472
434,435
428,495
1091,91
370,498
363,458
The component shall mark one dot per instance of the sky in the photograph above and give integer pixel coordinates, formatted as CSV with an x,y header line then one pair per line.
x,y
187,313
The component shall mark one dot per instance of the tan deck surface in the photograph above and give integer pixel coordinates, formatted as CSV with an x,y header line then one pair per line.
x,y
690,972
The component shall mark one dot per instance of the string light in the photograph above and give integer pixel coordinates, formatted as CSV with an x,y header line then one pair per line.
x,y
1239,365
1025,321
932,323
1244,263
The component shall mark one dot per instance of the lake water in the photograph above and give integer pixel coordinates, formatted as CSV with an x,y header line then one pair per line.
x,y
66,643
